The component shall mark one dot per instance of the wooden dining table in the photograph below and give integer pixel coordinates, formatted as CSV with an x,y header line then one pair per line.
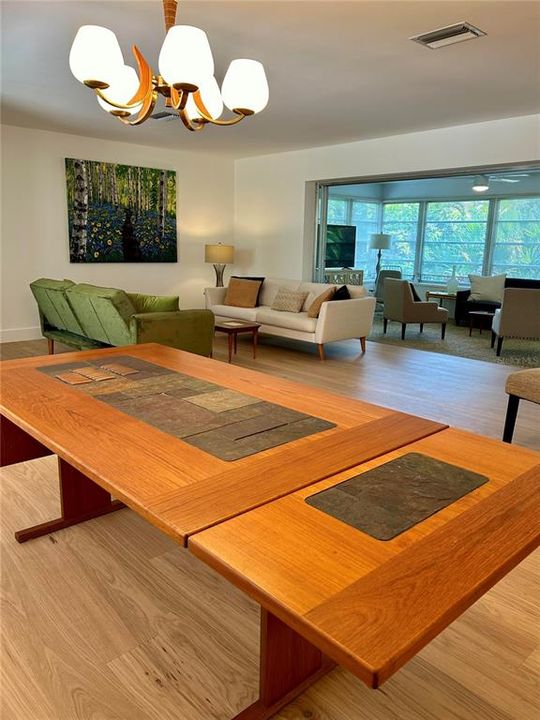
x,y
231,463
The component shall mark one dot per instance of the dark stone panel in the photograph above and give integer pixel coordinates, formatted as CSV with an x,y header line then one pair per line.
x,y
394,497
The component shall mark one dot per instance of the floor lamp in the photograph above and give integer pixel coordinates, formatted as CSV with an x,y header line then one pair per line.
x,y
219,255
379,241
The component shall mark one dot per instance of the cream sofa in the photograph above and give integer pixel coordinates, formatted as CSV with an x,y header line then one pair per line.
x,y
338,320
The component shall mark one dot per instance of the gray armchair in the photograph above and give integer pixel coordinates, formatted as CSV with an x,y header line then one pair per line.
x,y
518,316
400,305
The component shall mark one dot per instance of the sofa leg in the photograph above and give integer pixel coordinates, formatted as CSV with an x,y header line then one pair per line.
x,y
493,336
443,330
510,421
499,346
321,351
421,327
385,325
363,344
403,328
50,346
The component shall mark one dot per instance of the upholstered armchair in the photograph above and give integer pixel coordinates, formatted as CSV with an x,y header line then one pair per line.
x,y
518,316
400,305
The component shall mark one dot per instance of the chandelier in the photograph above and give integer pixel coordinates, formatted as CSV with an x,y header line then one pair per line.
x,y
186,77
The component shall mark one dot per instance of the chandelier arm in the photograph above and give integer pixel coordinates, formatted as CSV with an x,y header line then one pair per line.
x,y
146,110
179,98
201,107
146,78
188,123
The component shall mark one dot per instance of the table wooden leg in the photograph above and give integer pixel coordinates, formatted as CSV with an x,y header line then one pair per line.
x,y
230,342
80,499
235,336
16,445
255,340
289,665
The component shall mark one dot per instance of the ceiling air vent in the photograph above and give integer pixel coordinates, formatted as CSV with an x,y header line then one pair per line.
x,y
448,35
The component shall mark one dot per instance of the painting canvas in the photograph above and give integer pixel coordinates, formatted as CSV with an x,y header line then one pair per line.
x,y
120,213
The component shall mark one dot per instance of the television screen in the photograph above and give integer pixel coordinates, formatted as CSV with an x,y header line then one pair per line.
x,y
340,246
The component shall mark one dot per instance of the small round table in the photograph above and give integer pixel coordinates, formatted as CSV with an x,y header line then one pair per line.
x,y
233,328
482,317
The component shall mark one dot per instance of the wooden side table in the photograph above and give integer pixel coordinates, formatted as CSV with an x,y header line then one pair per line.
x,y
440,296
233,328
483,317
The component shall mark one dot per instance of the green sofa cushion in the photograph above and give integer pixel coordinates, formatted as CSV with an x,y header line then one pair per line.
x,y
153,303
104,313
53,304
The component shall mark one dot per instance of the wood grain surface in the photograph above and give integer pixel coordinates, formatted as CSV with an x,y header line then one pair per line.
x,y
150,633
147,469
371,605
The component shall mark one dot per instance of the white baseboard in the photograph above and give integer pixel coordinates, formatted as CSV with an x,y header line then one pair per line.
x,y
17,334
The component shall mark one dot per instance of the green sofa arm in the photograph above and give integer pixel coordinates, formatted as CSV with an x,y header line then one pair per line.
x,y
190,330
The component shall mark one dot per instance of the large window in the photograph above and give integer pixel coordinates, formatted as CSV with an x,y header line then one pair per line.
x,y
430,237
516,249
454,236
400,220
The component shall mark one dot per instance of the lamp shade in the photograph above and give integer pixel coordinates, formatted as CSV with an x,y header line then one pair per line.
x,y
95,54
122,88
186,57
380,241
219,253
245,86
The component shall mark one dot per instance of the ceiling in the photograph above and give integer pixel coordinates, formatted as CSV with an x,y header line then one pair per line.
x,y
338,71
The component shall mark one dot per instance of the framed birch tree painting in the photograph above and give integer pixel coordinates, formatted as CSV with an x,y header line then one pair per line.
x,y
120,213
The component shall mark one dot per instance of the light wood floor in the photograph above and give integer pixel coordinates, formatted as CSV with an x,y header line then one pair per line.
x,y
110,620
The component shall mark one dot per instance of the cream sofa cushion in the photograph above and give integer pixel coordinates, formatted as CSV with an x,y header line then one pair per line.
x,y
487,288
270,288
290,320
239,313
356,291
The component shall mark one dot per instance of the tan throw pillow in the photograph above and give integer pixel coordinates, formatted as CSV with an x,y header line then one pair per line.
x,y
315,308
487,289
288,300
242,293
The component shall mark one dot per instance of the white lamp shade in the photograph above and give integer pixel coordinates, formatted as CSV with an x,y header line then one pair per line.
x,y
380,241
480,183
122,88
219,253
186,57
95,54
211,98
245,86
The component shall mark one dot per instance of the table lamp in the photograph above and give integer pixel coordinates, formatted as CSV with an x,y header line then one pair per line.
x,y
220,255
379,241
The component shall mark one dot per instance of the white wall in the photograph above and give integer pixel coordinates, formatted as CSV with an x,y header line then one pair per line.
x,y
34,221
270,190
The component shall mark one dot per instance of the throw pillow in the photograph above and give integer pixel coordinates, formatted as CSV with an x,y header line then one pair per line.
x,y
242,293
487,289
415,295
288,300
315,307
255,279
342,293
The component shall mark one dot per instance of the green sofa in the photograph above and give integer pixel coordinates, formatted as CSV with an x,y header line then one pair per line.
x,y
87,316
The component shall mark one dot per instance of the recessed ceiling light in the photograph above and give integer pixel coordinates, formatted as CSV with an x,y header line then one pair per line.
x,y
448,35
480,183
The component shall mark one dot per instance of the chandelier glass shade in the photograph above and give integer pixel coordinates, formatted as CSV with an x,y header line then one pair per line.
x,y
186,77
